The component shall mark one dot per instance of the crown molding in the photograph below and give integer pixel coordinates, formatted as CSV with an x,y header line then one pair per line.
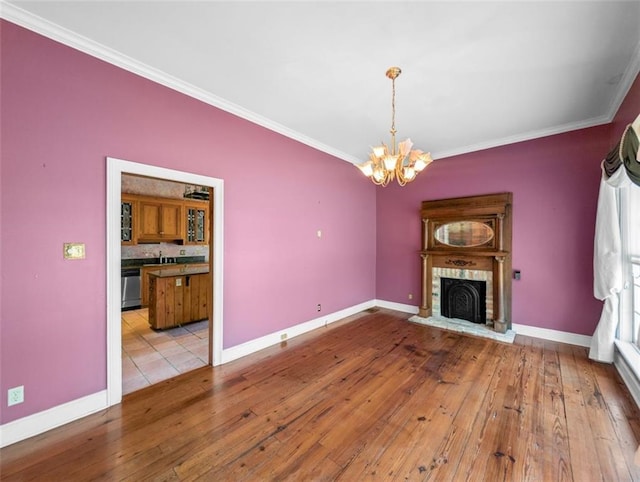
x,y
629,76
504,141
71,39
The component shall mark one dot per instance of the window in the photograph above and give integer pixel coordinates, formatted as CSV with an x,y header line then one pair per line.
x,y
635,266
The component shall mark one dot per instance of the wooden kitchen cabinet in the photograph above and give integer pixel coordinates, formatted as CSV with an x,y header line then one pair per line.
x,y
178,297
160,220
197,222
147,219
144,276
144,283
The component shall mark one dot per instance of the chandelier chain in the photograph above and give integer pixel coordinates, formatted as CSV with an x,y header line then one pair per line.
x,y
393,105
393,116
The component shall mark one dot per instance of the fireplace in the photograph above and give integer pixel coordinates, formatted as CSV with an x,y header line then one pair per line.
x,y
469,241
463,299
484,277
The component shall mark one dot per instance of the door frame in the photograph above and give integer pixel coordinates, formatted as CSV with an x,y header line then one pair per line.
x,y
115,169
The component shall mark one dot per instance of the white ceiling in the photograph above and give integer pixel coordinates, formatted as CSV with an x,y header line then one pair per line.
x,y
475,74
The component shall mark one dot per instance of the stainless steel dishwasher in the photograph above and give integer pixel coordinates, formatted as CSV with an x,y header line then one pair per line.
x,y
130,288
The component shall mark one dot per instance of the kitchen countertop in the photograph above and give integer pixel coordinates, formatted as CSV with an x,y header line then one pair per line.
x,y
173,271
140,262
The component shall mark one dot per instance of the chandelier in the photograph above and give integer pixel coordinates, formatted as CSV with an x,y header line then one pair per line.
x,y
400,163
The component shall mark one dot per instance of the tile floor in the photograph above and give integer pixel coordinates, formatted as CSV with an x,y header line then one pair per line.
x,y
150,356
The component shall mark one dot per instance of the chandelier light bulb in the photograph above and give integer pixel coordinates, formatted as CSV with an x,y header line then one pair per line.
x,y
390,162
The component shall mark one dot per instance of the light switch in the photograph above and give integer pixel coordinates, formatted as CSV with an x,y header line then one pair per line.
x,y
319,233
73,250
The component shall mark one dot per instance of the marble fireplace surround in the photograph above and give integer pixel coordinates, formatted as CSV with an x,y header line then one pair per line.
x,y
463,274
489,261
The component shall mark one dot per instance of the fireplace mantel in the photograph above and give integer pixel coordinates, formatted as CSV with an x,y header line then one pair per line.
x,y
491,216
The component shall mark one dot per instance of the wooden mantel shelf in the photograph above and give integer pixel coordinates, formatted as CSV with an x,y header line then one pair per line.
x,y
459,253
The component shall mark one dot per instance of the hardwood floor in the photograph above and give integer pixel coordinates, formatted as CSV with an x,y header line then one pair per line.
x,y
373,397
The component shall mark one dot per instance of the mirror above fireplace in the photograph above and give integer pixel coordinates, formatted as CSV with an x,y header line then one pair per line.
x,y
463,234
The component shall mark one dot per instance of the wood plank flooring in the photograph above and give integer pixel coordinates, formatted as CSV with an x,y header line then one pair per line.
x,y
374,397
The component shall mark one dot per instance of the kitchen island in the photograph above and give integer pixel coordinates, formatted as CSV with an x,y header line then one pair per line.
x,y
178,296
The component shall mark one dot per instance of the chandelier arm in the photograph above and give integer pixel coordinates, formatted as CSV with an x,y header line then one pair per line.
x,y
400,172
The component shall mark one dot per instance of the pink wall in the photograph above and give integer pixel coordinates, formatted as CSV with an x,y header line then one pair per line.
x,y
63,112
554,181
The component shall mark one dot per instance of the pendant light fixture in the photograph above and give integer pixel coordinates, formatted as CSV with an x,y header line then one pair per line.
x,y
397,162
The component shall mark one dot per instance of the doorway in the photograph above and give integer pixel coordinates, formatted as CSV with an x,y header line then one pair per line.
x,y
115,170
153,353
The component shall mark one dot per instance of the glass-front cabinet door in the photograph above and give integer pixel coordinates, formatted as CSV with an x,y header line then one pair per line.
x,y
127,220
197,224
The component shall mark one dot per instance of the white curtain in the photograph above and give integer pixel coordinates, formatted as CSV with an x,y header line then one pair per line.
x,y
607,264
608,276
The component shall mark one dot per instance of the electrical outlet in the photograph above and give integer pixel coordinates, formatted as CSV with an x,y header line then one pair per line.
x,y
410,296
319,307
183,252
15,395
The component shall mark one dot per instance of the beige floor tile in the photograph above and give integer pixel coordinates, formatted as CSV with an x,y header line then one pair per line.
x,y
134,383
190,364
160,374
146,357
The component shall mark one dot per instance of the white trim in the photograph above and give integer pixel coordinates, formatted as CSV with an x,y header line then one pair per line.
x,y
72,39
552,335
525,136
90,47
629,76
51,418
623,359
392,305
526,330
253,346
115,168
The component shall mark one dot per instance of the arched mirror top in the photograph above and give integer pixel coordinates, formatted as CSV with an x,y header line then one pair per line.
x,y
464,234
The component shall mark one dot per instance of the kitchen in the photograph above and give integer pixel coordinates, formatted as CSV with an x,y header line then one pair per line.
x,y
165,279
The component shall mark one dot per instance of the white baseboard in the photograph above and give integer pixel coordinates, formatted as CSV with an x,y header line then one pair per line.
x,y
252,346
526,330
552,335
392,305
40,422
